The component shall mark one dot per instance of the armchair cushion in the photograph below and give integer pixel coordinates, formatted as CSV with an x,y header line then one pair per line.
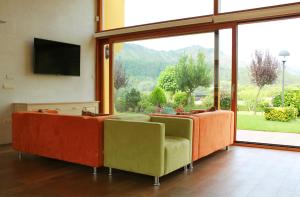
x,y
178,127
177,153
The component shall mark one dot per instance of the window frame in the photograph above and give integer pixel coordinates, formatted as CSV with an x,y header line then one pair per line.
x,y
189,26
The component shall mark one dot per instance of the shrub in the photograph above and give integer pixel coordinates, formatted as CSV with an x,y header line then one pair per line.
x,y
132,99
291,98
120,102
225,101
158,97
189,108
168,110
247,98
144,103
180,98
283,114
179,109
150,109
262,105
208,101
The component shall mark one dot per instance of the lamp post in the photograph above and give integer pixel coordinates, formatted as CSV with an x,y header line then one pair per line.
x,y
284,54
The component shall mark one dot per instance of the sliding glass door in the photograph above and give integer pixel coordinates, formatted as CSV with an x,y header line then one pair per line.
x,y
269,82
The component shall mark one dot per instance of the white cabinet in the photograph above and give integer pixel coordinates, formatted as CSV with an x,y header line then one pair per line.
x,y
70,108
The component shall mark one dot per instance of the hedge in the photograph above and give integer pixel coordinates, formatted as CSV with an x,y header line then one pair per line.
x,y
283,114
291,99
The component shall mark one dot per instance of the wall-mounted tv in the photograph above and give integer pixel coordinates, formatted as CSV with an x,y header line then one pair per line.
x,y
52,57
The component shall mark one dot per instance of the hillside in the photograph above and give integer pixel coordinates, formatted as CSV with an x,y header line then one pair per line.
x,y
141,61
143,65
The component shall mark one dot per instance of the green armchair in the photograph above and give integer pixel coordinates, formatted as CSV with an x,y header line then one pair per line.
x,y
155,147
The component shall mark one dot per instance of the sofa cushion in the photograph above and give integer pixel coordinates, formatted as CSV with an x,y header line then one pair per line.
x,y
177,153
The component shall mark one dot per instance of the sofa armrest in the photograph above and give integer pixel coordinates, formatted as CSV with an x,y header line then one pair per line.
x,y
179,127
134,146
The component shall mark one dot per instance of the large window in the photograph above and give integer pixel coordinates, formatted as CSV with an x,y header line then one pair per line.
x,y
229,6
166,75
146,73
124,13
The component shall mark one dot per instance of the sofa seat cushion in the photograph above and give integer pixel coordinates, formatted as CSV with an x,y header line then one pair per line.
x,y
177,153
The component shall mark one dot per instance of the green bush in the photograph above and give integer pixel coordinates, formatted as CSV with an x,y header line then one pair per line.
x,y
225,101
168,110
283,114
291,99
180,98
158,97
262,105
208,101
120,102
144,103
150,109
189,108
132,99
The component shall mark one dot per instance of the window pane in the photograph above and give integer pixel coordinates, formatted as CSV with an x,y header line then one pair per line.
x,y
228,6
124,13
148,74
225,61
262,83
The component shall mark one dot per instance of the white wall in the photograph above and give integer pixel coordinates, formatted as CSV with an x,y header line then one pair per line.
x,y
71,21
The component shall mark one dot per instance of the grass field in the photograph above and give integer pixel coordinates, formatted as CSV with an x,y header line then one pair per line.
x,y
248,121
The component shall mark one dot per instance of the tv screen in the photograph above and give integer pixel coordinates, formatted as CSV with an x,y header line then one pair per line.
x,y
51,57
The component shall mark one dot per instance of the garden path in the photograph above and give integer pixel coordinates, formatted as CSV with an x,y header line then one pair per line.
x,y
291,139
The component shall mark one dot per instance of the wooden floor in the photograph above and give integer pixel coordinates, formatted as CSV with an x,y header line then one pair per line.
x,y
238,172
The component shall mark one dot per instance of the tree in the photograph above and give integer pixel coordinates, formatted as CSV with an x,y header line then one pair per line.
x,y
120,78
263,71
191,74
158,97
167,80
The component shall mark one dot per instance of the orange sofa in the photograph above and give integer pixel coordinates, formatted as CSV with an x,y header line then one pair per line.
x,y
211,131
77,139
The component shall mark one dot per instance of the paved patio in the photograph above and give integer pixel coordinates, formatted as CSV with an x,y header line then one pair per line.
x,y
292,139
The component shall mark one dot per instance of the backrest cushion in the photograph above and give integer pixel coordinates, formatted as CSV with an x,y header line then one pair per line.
x,y
132,117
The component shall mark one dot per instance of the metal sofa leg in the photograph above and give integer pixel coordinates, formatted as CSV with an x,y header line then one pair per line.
x,y
227,148
94,170
20,155
185,168
109,172
191,166
156,181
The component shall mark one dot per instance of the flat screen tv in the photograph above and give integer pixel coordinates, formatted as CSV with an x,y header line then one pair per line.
x,y
52,57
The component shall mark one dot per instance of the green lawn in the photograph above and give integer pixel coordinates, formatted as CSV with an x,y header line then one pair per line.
x,y
248,121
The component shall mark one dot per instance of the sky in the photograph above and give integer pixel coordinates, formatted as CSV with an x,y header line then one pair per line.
x,y
273,36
